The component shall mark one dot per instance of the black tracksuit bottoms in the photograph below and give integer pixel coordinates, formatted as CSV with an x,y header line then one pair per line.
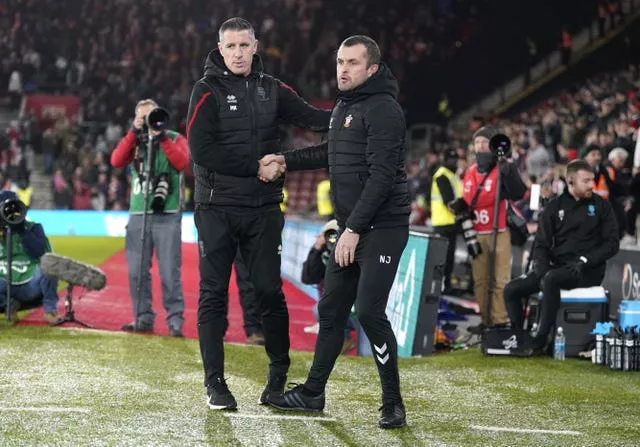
x,y
259,237
559,278
250,310
367,282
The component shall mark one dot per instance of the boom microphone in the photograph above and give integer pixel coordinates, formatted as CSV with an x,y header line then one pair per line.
x,y
72,271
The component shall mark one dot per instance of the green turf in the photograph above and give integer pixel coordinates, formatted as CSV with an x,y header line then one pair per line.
x,y
145,390
92,250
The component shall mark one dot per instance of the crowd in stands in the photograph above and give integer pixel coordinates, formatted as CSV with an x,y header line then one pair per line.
x,y
598,121
114,52
111,53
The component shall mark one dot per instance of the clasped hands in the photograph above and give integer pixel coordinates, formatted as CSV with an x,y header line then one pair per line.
x,y
271,167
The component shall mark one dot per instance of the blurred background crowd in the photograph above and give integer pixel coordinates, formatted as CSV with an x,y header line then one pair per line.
x,y
447,54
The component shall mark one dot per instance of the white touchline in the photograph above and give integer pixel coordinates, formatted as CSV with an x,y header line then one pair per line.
x,y
48,409
527,430
276,416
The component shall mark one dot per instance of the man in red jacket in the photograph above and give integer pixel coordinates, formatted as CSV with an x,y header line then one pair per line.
x,y
164,229
479,192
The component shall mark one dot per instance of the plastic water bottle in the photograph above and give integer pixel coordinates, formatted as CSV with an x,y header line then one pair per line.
x,y
599,355
559,345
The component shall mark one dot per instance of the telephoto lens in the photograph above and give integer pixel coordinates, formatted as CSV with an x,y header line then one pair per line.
x,y
160,193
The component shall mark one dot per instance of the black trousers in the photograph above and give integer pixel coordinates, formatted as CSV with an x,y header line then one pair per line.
x,y
450,232
258,236
248,302
550,285
366,282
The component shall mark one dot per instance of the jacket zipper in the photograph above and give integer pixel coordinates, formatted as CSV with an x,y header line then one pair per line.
x,y
252,123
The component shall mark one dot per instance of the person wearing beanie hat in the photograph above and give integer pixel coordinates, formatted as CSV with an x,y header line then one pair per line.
x,y
446,187
479,193
30,287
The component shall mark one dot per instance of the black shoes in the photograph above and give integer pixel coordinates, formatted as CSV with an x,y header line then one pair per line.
x,y
393,416
275,387
144,328
175,331
219,396
297,399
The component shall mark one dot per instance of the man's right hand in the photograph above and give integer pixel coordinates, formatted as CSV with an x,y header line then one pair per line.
x,y
271,167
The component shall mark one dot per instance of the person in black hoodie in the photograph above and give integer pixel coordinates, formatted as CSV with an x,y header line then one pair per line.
x,y
577,234
232,123
365,156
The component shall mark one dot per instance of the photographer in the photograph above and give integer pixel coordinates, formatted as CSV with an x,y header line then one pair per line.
x,y
479,193
313,270
577,233
171,158
29,286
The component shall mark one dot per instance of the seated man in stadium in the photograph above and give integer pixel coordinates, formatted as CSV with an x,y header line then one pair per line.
x,y
576,235
29,286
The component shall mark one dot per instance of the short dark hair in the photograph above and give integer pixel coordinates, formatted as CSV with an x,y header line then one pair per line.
x,y
236,24
373,50
577,165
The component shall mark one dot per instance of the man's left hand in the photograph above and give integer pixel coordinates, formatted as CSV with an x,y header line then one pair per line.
x,y
345,252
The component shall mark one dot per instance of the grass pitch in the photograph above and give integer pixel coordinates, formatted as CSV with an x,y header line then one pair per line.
x,y
73,387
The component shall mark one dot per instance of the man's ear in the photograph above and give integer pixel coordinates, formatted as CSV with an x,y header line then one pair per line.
x,y
372,70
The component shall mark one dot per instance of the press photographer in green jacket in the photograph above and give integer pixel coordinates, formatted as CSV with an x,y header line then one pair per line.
x,y
29,286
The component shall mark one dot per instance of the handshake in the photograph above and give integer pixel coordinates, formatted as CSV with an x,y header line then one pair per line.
x,y
271,167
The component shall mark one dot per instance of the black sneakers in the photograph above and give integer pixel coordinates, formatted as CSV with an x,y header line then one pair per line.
x,y
393,416
297,399
175,331
219,396
275,386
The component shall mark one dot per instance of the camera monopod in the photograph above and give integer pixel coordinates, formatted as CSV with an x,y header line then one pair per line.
x,y
146,181
8,234
157,120
12,212
500,145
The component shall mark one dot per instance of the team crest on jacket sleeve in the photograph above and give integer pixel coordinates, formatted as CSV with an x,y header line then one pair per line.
x,y
347,120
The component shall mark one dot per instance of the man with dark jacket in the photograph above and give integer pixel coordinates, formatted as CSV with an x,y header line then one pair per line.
x,y
365,155
576,235
232,123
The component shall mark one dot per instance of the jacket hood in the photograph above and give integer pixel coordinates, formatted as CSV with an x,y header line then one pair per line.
x,y
383,81
215,66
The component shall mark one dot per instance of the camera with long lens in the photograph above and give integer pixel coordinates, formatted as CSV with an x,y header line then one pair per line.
x,y
160,192
13,212
157,120
470,235
331,239
500,146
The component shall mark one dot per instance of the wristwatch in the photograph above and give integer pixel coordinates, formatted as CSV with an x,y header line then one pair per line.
x,y
583,259
349,230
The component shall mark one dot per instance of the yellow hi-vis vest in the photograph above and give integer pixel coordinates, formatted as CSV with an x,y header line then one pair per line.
x,y
323,199
285,199
440,214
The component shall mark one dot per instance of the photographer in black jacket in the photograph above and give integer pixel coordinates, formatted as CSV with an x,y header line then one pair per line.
x,y
577,233
232,123
365,155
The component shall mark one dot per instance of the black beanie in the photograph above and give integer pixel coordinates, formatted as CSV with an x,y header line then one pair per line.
x,y
590,148
486,131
